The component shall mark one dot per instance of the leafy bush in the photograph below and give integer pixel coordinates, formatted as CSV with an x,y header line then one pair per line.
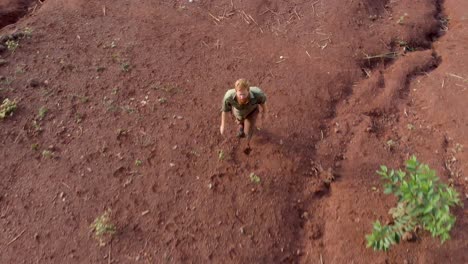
x,y
422,202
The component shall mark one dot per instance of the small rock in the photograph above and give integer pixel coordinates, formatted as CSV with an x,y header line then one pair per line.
x,y
34,83
3,62
171,164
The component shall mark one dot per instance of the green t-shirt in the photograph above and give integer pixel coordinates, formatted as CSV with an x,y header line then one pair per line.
x,y
257,96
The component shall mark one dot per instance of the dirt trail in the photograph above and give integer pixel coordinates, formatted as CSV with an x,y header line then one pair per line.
x,y
133,91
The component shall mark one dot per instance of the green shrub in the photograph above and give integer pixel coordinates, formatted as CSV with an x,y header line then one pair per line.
x,y
422,202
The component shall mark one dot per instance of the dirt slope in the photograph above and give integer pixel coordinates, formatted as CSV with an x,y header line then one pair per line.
x,y
133,89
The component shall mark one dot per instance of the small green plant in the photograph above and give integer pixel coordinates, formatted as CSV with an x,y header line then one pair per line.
x,y
35,146
138,162
254,178
42,112
126,67
162,100
12,45
102,228
37,127
27,31
402,18
422,202
47,154
221,155
7,108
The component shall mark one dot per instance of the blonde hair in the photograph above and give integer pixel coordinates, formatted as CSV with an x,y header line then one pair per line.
x,y
242,84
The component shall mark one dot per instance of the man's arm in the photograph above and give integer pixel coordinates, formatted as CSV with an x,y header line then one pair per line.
x,y
223,121
264,109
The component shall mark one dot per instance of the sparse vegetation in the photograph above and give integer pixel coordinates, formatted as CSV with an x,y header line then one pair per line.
x,y
423,202
254,178
47,154
138,162
221,155
27,31
103,228
12,45
42,112
126,67
7,108
35,146
402,18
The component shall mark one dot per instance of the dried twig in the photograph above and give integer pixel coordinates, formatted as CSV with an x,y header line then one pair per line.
x,y
295,12
215,18
313,6
308,54
18,236
245,17
269,10
389,55
104,10
110,253
251,18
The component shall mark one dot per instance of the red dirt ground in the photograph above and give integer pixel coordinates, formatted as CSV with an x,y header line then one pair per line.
x,y
130,82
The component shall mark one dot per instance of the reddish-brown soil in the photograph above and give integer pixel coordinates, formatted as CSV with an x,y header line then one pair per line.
x,y
133,92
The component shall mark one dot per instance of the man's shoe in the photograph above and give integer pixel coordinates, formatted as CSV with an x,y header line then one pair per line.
x,y
241,133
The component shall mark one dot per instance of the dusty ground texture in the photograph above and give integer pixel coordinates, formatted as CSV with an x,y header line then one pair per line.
x,y
118,108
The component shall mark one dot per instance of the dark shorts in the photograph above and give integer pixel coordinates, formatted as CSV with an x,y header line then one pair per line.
x,y
252,116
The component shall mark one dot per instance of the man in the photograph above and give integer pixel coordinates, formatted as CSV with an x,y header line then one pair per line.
x,y
244,103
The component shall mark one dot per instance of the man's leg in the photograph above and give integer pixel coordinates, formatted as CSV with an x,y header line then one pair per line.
x,y
240,126
249,125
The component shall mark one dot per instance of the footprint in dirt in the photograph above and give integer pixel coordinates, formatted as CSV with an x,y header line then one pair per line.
x,y
247,151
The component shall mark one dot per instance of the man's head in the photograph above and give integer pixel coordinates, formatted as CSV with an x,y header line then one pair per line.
x,y
242,87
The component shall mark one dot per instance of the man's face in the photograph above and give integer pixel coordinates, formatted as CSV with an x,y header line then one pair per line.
x,y
242,96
